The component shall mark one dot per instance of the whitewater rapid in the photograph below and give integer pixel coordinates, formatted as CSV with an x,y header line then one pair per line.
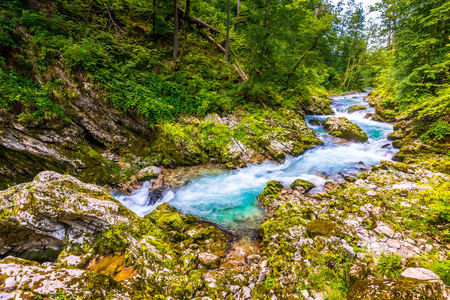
x,y
229,198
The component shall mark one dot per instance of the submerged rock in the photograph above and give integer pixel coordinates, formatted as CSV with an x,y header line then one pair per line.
x,y
343,128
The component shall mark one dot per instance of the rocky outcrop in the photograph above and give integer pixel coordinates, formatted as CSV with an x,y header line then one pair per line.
x,y
92,141
234,140
316,105
341,127
41,217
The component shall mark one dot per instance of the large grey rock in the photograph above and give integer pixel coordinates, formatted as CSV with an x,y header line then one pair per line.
x,y
149,173
53,210
420,273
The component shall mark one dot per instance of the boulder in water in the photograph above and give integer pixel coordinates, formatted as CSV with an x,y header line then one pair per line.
x,y
303,185
271,193
343,128
354,108
314,122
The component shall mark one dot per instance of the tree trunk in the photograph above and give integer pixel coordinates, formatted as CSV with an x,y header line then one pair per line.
x,y
187,10
154,15
228,32
175,46
238,6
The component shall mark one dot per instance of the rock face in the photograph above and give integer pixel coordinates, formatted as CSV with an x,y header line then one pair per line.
x,y
88,141
354,108
40,217
343,128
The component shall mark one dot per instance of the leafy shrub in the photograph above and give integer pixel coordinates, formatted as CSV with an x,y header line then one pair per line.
x,y
389,264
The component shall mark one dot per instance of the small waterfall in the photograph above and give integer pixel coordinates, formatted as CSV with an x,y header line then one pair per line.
x,y
229,199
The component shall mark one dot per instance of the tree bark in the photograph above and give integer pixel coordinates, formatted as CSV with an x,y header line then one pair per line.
x,y
228,32
154,16
238,7
175,47
187,10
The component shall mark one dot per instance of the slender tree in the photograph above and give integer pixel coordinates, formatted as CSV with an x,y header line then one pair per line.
x,y
175,47
238,6
228,32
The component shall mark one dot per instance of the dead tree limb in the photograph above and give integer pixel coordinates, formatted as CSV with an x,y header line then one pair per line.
x,y
199,22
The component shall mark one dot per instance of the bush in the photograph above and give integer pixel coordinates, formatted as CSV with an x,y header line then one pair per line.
x,y
389,265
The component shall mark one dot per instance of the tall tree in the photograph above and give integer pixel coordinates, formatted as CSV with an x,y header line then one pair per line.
x,y
175,45
228,32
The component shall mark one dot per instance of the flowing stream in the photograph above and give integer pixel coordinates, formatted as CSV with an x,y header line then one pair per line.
x,y
229,198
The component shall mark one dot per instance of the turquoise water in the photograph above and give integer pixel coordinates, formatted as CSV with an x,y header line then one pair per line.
x,y
229,199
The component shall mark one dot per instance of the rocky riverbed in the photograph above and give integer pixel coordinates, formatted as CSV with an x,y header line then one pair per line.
x,y
380,233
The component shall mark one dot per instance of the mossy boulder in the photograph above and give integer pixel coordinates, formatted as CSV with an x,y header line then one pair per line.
x,y
41,217
341,127
271,193
354,108
398,289
384,115
323,228
302,185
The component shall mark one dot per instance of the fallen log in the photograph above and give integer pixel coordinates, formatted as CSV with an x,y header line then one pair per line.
x,y
198,22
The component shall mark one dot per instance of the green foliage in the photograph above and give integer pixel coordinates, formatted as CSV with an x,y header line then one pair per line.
x,y
416,81
24,97
438,199
389,264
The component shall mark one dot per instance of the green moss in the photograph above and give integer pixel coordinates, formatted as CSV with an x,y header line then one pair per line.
x,y
393,289
304,185
354,108
271,193
343,128
322,227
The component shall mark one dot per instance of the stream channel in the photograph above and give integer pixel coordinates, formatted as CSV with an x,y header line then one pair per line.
x,y
228,198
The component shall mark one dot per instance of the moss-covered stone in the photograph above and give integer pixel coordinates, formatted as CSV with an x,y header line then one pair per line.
x,y
354,108
271,193
343,128
303,185
322,227
397,289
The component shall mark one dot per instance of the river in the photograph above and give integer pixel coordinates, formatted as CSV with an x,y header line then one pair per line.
x,y
229,198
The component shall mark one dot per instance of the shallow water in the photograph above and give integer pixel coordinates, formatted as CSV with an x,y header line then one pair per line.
x,y
229,198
